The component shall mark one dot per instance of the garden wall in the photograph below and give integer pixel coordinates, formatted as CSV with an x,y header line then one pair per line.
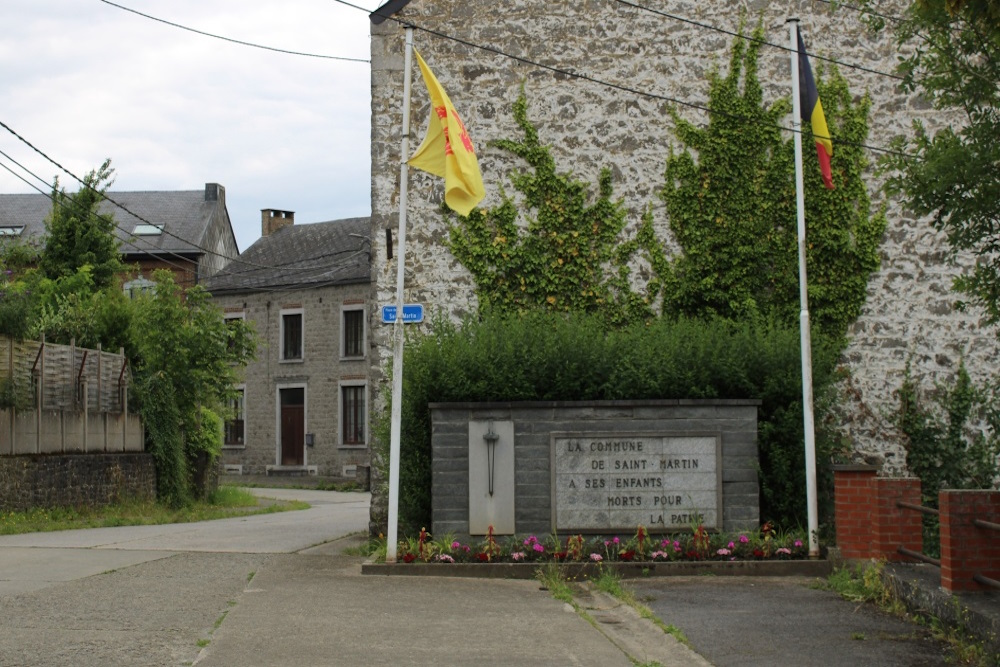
x,y
563,466
74,480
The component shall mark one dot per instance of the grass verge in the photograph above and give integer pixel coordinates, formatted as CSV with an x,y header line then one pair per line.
x,y
225,503
866,584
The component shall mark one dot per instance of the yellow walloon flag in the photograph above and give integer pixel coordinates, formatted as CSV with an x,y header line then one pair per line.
x,y
442,155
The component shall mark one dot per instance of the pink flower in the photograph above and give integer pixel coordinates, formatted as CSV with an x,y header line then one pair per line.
x,y
677,546
732,546
783,550
455,545
798,543
531,540
744,539
616,540
445,558
597,558
658,554
723,552
517,555
538,547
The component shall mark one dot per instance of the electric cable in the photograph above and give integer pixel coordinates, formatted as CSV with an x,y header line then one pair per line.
x,y
234,41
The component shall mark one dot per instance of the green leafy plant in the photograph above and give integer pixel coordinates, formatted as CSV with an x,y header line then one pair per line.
x,y
570,256
951,441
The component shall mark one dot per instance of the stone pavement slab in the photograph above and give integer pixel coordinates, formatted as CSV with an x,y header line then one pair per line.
x,y
26,569
151,614
320,610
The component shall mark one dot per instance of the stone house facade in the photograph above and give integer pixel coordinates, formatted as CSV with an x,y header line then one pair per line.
x,y
657,53
187,232
303,406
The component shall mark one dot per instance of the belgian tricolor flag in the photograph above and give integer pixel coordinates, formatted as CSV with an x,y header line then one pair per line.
x,y
812,113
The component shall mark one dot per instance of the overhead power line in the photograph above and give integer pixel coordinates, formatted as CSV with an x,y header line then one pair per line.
x,y
230,39
332,270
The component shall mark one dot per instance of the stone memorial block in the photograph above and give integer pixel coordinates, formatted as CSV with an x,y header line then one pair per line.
x,y
613,482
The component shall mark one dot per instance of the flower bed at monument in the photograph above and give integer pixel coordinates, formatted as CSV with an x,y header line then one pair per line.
x,y
765,544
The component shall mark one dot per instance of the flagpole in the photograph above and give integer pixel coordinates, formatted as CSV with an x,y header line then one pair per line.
x,y
397,353
804,334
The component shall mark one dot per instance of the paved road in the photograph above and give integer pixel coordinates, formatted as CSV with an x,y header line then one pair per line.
x,y
273,590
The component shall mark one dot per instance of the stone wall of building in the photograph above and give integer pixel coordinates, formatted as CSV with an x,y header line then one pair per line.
x,y
321,372
75,480
909,313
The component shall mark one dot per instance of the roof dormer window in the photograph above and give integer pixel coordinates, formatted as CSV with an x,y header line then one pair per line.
x,y
11,230
148,230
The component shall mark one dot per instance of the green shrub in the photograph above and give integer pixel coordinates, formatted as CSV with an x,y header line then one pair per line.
x,y
543,356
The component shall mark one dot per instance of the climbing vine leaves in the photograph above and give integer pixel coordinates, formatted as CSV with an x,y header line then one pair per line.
x,y
730,195
570,255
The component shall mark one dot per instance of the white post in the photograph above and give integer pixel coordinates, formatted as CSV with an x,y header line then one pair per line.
x,y
804,335
397,353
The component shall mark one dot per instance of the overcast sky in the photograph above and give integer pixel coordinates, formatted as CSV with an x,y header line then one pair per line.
x,y
84,81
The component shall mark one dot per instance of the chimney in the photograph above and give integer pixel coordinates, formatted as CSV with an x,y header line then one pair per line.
x,y
214,192
271,220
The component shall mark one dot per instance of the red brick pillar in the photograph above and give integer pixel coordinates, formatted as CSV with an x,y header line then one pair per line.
x,y
854,497
965,548
869,524
895,526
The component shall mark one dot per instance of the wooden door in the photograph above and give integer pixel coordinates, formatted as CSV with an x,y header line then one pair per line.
x,y
293,427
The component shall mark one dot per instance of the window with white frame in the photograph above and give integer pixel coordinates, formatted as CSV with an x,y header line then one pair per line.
x,y
232,318
234,428
353,416
352,331
292,335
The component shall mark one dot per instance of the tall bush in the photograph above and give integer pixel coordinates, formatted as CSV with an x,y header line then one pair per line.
x,y
544,356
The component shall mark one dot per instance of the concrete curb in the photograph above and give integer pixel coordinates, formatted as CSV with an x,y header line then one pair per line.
x,y
975,614
783,568
637,637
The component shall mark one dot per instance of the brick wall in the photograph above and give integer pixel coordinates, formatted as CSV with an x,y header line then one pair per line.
x,y
869,522
74,480
967,549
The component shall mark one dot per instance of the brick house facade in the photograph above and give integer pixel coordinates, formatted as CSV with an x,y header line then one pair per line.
x,y
304,401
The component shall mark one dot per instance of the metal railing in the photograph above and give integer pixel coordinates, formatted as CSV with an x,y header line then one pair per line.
x,y
910,553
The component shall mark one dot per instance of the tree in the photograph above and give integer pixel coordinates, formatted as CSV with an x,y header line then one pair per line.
x,y
187,360
951,174
78,235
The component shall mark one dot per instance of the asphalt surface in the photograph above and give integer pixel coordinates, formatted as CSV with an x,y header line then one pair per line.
x,y
278,589
749,622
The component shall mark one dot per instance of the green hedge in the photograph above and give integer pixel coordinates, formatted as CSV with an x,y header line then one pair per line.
x,y
541,356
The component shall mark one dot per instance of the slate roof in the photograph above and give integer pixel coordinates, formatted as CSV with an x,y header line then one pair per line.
x,y
386,10
185,215
337,252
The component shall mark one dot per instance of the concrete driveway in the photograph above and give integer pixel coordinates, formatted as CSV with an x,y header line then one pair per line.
x,y
36,560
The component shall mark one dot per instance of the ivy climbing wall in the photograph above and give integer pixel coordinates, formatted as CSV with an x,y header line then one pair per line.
x,y
628,129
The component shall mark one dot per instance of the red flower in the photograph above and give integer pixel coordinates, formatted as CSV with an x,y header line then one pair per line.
x,y
693,555
627,555
409,558
559,555
758,553
483,557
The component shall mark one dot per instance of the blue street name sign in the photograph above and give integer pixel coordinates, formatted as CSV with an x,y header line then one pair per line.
x,y
412,312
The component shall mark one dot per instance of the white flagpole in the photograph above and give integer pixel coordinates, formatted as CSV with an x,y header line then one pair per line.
x,y
804,335
397,353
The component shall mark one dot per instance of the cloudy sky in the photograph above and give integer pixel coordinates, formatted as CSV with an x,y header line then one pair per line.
x,y
83,80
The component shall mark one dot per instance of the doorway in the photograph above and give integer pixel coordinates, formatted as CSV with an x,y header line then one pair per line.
x,y
292,437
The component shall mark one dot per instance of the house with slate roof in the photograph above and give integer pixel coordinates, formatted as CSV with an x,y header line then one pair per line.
x,y
303,408
187,232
